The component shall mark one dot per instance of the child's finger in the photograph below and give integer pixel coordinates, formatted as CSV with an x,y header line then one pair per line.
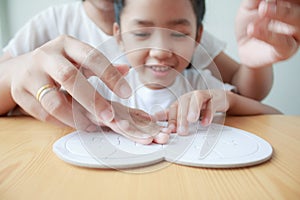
x,y
207,113
172,117
283,11
194,108
279,39
182,112
161,115
161,138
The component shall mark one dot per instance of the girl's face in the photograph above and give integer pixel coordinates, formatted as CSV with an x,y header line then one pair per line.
x,y
158,37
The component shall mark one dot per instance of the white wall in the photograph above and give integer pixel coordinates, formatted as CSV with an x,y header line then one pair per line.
x,y
27,9
219,20
15,13
4,32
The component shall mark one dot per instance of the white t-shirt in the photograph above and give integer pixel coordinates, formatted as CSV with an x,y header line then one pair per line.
x,y
152,101
71,19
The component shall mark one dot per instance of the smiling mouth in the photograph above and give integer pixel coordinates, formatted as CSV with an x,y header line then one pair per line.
x,y
159,68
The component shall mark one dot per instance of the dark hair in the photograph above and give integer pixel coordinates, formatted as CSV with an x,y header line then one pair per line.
x,y
198,6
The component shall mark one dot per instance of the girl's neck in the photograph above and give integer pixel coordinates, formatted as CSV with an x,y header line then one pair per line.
x,y
102,14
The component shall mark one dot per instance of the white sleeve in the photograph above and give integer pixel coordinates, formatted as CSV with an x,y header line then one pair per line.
x,y
33,34
203,79
207,50
214,83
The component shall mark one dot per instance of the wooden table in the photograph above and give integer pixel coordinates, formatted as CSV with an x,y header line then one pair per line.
x,y
30,170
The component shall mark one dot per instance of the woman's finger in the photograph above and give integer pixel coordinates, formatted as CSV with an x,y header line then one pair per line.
x,y
31,106
92,59
75,83
123,69
124,128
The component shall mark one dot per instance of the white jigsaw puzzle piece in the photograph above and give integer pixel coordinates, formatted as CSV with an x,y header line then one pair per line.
x,y
216,146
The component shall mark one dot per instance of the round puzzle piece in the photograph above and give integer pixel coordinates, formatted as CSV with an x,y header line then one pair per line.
x,y
216,147
233,148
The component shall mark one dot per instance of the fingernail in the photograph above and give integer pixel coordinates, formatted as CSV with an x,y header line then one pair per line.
x,y
206,121
262,9
211,119
250,29
107,115
269,1
181,130
171,126
125,91
166,130
92,128
269,6
162,138
192,117
273,9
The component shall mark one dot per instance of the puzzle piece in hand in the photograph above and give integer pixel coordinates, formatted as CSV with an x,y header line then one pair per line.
x,y
217,146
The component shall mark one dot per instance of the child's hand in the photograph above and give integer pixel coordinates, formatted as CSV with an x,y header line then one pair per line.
x,y
137,125
191,107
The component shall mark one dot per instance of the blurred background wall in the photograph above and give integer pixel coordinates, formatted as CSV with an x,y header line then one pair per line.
x,y
219,21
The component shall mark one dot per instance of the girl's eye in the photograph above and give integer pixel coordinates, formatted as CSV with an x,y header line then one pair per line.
x,y
179,35
141,34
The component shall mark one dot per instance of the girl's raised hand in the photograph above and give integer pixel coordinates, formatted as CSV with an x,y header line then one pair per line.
x,y
267,31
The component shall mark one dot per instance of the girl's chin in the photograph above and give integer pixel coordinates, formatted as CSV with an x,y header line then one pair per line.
x,y
157,85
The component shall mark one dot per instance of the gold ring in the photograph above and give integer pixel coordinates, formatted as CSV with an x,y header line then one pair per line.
x,y
44,90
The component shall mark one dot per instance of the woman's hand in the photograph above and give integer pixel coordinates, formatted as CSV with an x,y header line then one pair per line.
x,y
33,82
267,31
137,125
